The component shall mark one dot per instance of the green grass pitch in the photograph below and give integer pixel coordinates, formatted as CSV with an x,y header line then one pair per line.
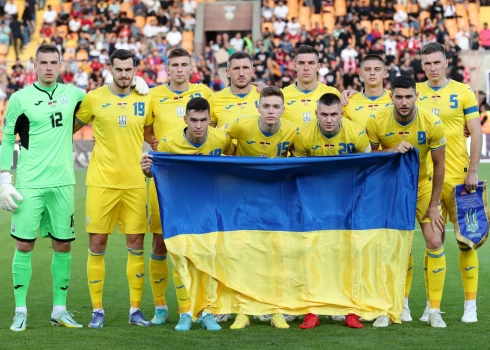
x,y
117,334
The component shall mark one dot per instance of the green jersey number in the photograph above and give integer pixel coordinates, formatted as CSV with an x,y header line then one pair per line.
x,y
56,120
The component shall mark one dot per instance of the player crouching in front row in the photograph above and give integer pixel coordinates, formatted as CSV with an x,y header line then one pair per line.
x,y
199,139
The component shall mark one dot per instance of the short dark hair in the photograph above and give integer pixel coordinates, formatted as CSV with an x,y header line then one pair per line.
x,y
122,55
329,99
272,91
403,82
433,47
178,53
48,48
239,55
197,104
372,57
306,49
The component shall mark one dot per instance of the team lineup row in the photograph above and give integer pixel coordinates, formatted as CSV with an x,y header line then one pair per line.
x,y
305,119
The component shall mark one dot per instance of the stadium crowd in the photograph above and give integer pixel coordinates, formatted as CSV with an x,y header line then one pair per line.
x,y
87,32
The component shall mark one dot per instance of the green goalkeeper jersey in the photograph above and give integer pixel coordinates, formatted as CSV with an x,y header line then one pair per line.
x,y
43,118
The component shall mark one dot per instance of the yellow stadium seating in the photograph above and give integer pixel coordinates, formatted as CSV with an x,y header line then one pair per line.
x,y
366,25
340,8
452,27
329,21
304,17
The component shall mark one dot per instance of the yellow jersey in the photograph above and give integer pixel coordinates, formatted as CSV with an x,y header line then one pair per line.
x,y
311,141
301,105
425,132
118,123
169,107
252,142
455,103
360,106
226,106
217,143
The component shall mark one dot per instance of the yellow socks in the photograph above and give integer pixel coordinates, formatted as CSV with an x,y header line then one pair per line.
x,y
182,295
408,283
468,265
436,274
158,278
135,271
96,276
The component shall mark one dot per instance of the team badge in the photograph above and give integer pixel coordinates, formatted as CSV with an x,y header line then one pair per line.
x,y
435,111
63,99
180,111
306,117
122,120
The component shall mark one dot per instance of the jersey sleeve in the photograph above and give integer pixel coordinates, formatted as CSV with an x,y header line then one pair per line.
x,y
163,146
362,144
212,111
437,138
335,91
229,147
232,129
14,110
149,114
470,105
85,112
372,131
300,149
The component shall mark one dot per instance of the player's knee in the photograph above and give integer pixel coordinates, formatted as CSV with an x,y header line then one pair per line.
x,y
434,242
98,243
135,241
24,247
158,245
61,247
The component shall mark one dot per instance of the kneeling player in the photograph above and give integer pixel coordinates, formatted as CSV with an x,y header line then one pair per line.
x,y
330,135
401,129
265,136
199,139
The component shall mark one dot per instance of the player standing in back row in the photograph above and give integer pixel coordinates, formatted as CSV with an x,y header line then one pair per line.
x,y
455,103
42,115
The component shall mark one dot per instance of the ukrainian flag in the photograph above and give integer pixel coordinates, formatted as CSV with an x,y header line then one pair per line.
x,y
327,235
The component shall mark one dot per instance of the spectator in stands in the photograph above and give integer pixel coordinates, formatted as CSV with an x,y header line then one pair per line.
x,y
279,26
474,38
189,7
50,15
174,37
114,7
17,29
216,84
377,11
390,44
11,8
449,9
485,36
348,53
237,42
400,18
267,13
74,24
81,79
31,76
364,10
463,39
389,11
140,9
436,9
4,34
281,10
425,4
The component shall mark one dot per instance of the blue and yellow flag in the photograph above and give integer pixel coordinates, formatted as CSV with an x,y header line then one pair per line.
x,y
327,235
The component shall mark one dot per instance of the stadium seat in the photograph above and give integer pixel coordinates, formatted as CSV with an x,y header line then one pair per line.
x,y
187,35
397,7
3,49
293,7
463,22
329,21
366,25
316,18
422,16
304,17
387,23
340,8
150,18
461,10
67,55
140,21
267,25
412,8
452,27
125,6
81,55
67,6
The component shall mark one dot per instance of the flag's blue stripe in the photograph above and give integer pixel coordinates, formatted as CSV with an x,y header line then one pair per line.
x,y
208,194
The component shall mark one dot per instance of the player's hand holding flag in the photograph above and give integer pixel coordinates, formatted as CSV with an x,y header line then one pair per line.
x,y
140,85
8,193
146,164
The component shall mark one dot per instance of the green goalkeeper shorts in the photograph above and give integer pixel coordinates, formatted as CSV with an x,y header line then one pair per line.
x,y
49,210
